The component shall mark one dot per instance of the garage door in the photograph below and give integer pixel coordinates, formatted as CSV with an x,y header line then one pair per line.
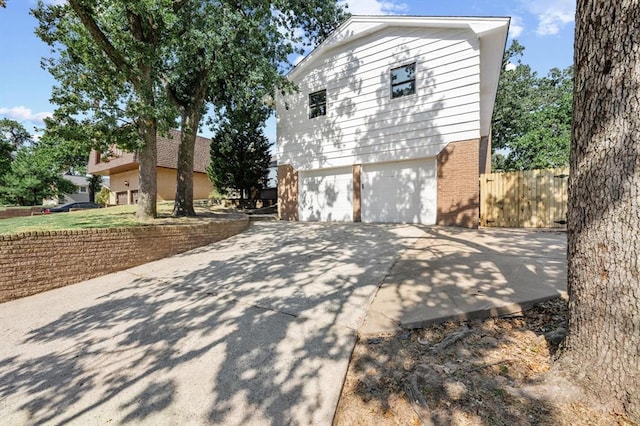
x,y
400,192
326,195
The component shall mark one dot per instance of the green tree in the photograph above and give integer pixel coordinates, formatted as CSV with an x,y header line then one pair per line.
x,y
95,185
240,153
13,135
33,176
103,196
256,38
532,117
138,65
108,58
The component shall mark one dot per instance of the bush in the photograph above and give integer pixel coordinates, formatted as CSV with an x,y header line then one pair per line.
x,y
103,196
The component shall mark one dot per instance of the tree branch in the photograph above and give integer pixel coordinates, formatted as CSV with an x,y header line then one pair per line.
x,y
100,38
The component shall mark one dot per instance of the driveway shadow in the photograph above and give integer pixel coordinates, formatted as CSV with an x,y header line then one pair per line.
x,y
455,273
255,329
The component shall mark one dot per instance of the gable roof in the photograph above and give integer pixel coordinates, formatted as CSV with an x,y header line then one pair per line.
x,y
168,147
168,152
491,31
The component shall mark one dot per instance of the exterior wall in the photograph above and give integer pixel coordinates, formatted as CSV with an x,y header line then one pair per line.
x,y
27,260
458,185
118,185
77,197
363,124
287,193
357,193
119,162
202,187
167,183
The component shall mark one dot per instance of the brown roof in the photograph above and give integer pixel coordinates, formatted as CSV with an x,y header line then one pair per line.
x,y
167,156
168,152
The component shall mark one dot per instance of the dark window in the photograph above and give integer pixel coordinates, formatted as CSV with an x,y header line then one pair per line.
x,y
318,104
403,81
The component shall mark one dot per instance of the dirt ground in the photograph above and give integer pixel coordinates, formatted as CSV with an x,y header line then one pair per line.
x,y
484,372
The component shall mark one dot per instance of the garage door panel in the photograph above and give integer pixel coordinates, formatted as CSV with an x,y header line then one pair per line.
x,y
326,195
400,192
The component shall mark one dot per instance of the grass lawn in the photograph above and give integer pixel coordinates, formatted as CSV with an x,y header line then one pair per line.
x,y
110,217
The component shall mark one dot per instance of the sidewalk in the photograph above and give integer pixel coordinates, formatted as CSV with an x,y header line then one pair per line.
x,y
456,273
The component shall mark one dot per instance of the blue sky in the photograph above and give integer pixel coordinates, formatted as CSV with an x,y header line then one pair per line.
x,y
544,27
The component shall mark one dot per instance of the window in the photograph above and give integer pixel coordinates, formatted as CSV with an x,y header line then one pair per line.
x,y
82,190
403,81
318,104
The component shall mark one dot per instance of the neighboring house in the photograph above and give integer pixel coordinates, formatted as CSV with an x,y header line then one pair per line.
x,y
81,194
392,121
122,168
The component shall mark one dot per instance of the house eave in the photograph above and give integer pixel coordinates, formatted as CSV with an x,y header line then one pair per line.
x,y
481,26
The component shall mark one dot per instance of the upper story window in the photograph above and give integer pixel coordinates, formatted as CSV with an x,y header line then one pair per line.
x,y
403,81
317,104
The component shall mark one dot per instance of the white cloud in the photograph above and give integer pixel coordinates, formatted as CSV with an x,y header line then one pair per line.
x,y
517,26
376,7
511,66
22,113
552,14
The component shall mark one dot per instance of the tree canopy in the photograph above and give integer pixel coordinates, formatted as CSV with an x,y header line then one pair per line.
x,y
240,152
13,135
32,170
127,70
532,117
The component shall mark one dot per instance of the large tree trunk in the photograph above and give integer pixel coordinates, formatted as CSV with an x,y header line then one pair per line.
x,y
183,205
602,349
148,160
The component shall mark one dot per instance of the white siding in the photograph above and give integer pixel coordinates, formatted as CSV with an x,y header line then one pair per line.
x,y
363,124
400,192
326,195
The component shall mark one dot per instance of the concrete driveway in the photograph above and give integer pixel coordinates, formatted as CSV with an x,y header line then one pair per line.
x,y
453,273
256,329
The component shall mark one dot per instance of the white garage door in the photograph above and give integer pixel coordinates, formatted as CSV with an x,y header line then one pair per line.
x,y
326,195
400,192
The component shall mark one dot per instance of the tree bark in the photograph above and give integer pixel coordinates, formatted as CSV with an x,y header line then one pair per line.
x,y
148,162
183,205
602,349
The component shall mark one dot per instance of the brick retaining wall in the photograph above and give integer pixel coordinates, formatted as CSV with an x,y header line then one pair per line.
x,y
34,262
19,212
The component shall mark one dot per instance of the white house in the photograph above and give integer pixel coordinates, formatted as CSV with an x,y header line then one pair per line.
x,y
391,122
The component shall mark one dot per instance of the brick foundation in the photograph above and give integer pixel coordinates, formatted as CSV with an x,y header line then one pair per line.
x,y
287,193
357,193
34,262
458,187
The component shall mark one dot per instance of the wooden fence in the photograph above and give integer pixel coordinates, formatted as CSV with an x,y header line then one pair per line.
x,y
528,199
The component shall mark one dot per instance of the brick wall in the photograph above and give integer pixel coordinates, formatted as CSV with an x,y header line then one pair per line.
x,y
19,212
34,262
458,187
357,193
287,193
